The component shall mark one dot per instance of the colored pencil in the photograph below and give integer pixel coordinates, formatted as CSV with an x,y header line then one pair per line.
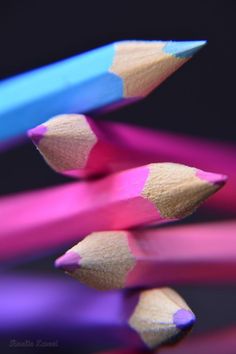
x,y
155,193
112,75
221,341
80,146
192,254
136,319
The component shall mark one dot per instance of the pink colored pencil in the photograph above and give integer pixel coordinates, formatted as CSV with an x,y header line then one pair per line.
x,y
221,341
153,193
79,146
192,254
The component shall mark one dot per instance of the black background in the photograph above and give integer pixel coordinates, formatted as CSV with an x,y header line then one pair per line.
x,y
199,99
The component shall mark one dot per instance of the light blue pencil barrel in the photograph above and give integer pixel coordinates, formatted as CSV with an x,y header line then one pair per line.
x,y
109,76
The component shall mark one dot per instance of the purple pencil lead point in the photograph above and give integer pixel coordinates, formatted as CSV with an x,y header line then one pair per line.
x,y
184,319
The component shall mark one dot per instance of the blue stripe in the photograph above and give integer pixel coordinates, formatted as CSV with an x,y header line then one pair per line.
x,y
79,84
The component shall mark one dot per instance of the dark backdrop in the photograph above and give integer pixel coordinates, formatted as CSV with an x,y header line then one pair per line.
x,y
199,99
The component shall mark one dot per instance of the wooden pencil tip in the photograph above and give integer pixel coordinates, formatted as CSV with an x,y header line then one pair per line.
x,y
101,260
161,317
144,65
69,262
186,189
65,141
185,49
36,134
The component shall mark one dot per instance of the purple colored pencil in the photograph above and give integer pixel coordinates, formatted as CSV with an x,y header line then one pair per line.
x,y
30,304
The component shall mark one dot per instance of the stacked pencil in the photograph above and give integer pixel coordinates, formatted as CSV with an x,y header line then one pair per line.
x,y
133,187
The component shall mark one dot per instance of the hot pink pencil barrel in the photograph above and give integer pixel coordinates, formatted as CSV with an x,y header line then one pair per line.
x,y
192,254
46,218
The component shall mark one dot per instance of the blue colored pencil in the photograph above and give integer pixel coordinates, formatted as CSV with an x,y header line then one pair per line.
x,y
106,77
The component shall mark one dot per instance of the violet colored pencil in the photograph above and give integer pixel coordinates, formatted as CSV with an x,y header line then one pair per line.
x,y
192,254
221,341
80,146
139,319
154,193
109,76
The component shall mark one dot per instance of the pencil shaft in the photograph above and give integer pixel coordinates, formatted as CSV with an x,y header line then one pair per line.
x,y
41,303
48,218
193,254
94,80
61,87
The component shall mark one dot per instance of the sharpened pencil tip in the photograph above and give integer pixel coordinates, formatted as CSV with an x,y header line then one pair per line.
x,y
213,178
36,134
184,319
184,49
69,262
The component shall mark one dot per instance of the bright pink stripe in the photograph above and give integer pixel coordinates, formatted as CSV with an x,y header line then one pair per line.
x,y
200,253
42,219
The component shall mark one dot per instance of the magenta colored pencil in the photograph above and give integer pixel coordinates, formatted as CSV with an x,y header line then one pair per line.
x,y
221,341
192,254
79,146
146,319
154,193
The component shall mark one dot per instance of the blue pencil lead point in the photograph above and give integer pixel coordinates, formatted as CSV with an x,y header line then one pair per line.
x,y
184,49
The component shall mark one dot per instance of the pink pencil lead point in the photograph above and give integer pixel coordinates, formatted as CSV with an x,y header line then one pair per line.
x,y
69,262
213,178
37,133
